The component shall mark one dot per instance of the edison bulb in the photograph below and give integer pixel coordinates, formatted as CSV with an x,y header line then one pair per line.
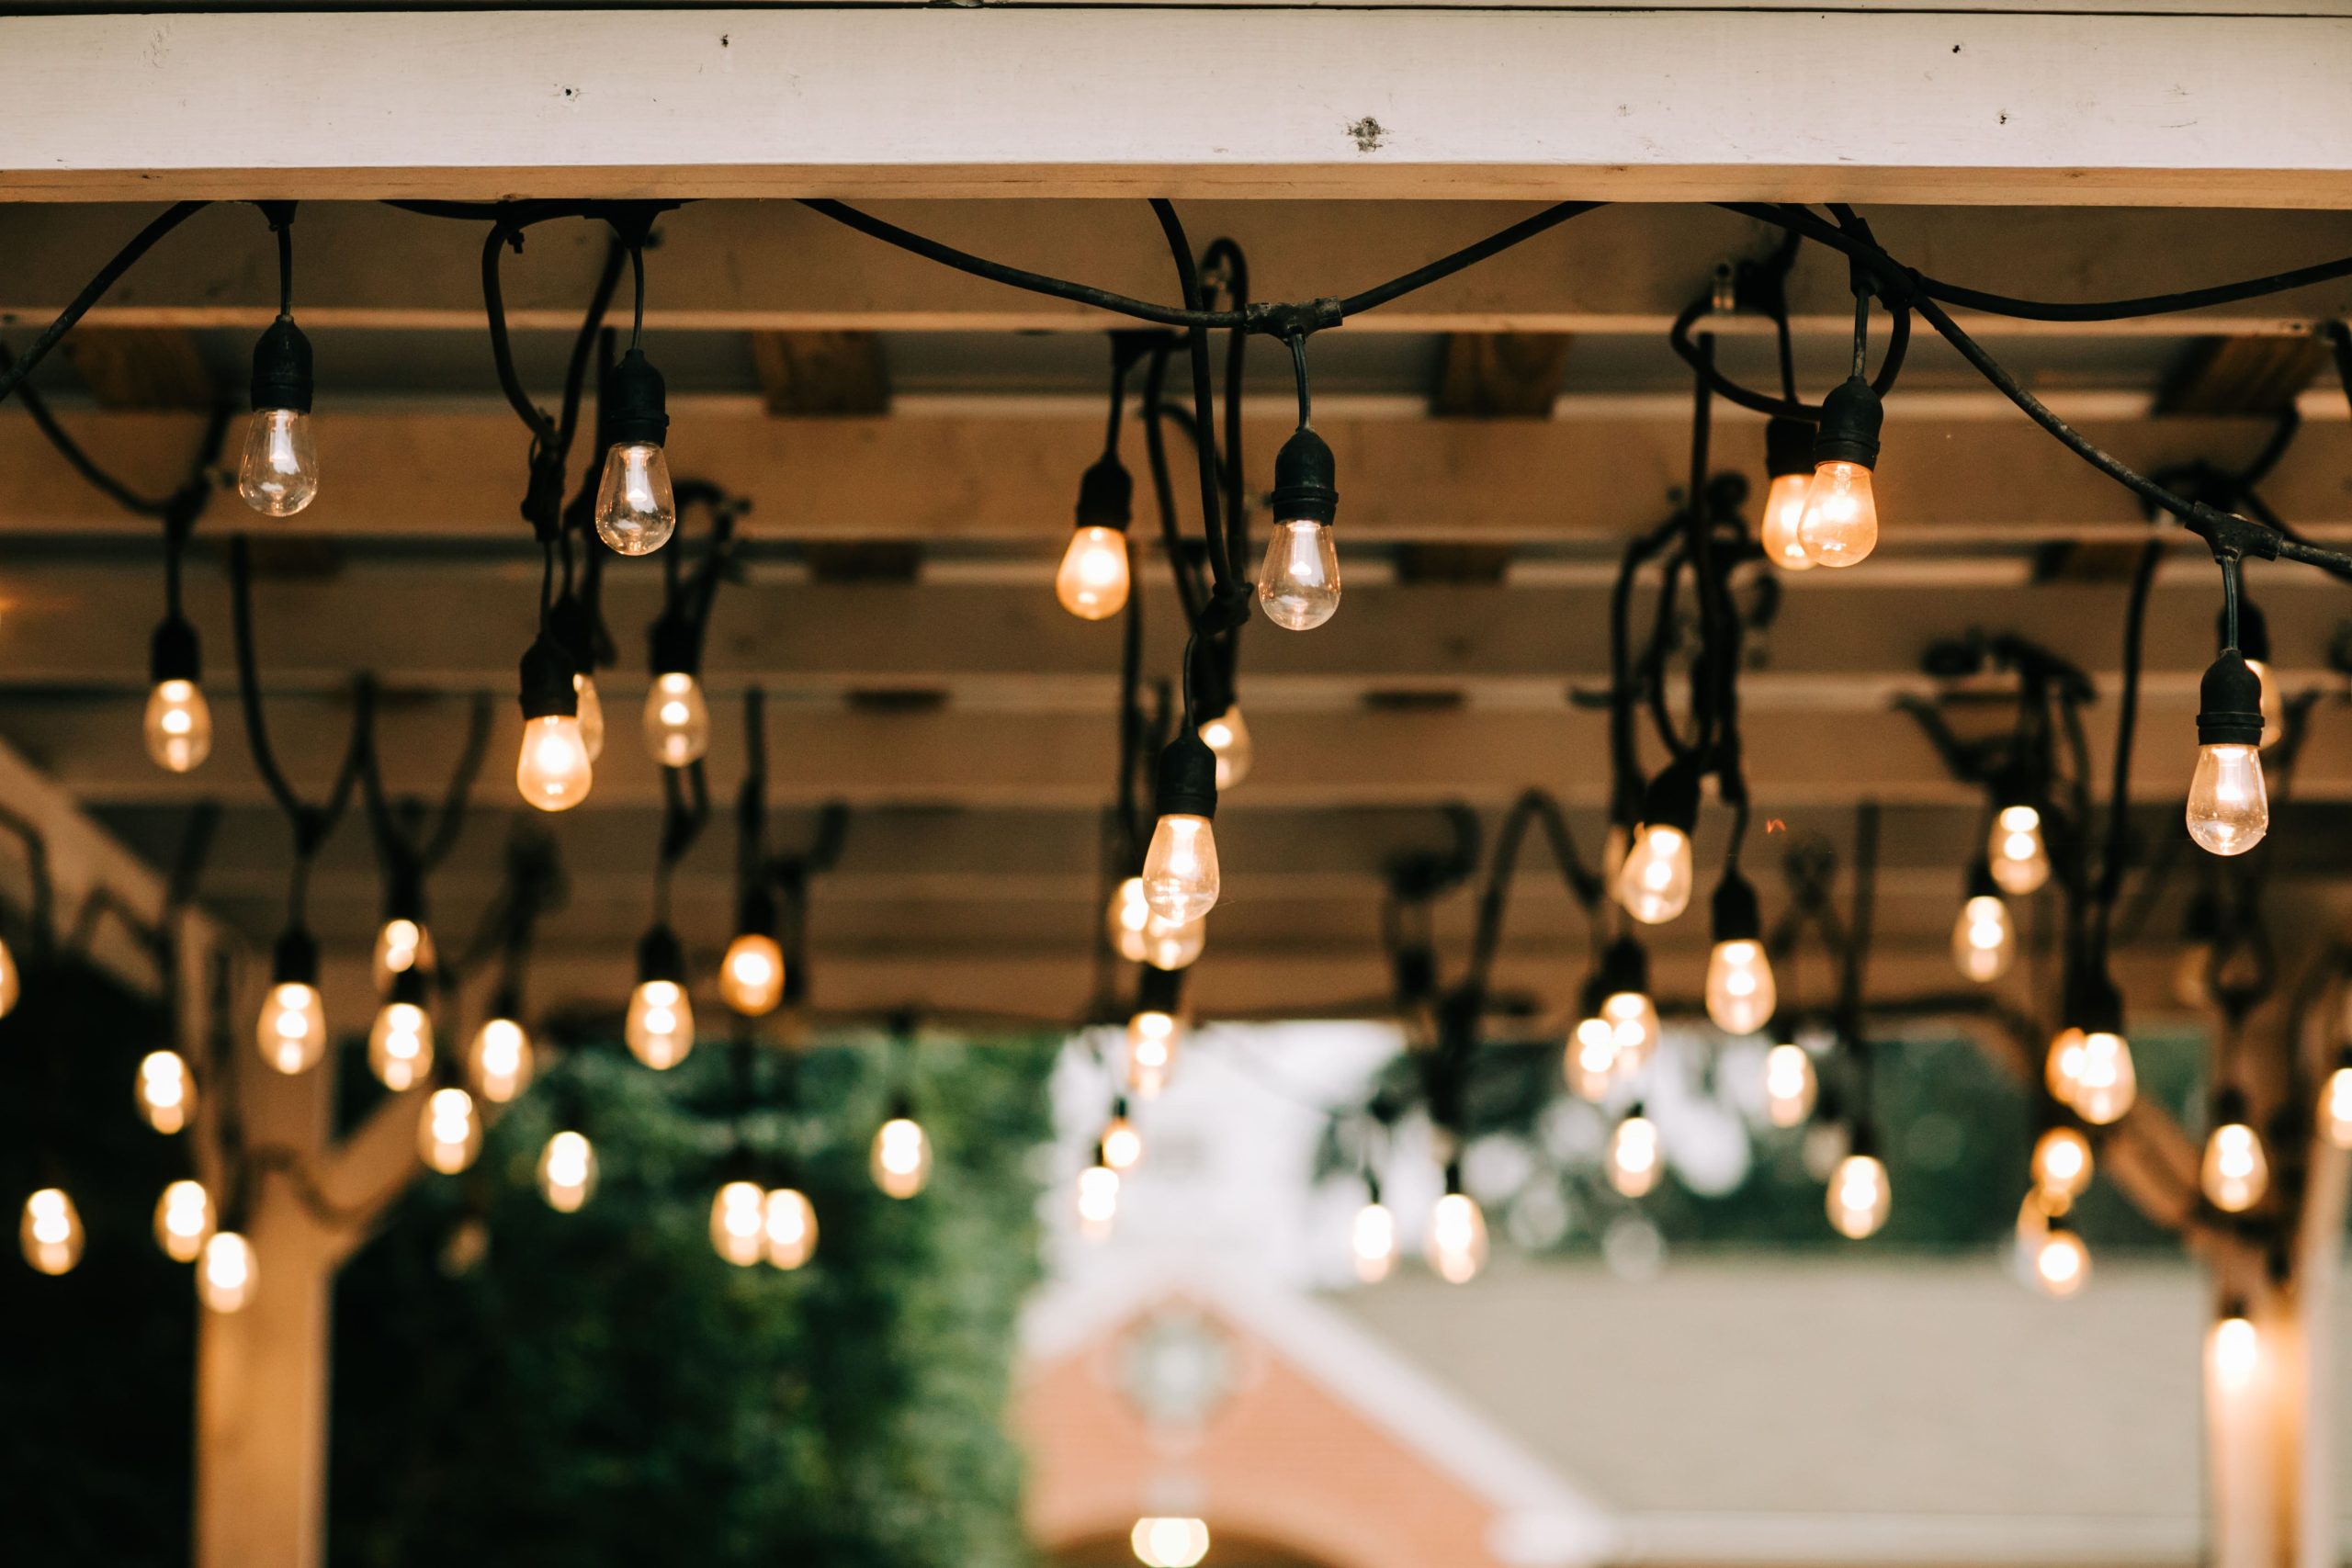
x,y
2234,1353
278,473
182,1220
1654,883
2061,1163
1790,1085
1983,940
2062,1264
178,726
789,1228
2229,808
1783,514
750,978
552,771
1633,1021
1740,993
225,1273
1092,581
8,980
292,1033
1128,919
1457,1239
739,1222
1839,527
1299,583
660,1024
166,1091
502,1060
1152,1039
1591,1058
2273,703
1371,1240
50,1231
1859,1197
2335,1107
2106,1083
1180,870
402,945
1097,1201
677,720
1228,738
635,511
901,1156
1173,944
567,1171
1161,1542
448,1131
2235,1173
590,714
1634,1156
1121,1144
400,1046
2015,852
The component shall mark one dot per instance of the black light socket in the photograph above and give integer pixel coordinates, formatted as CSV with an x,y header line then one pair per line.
x,y
1737,915
1454,1178
282,369
661,956
2254,632
547,691
755,912
1788,448
408,986
294,960
676,650
1212,688
171,652
1106,496
636,408
1980,880
570,623
1862,1139
1186,785
1624,967
2094,1005
2229,707
404,896
1851,417
1160,990
1118,1107
1672,798
903,1106
1305,480
2230,1105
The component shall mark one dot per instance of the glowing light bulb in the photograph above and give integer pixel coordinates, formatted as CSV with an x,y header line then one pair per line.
x,y
1097,1201
2234,1353
2235,1173
1228,738
1121,1143
1152,1040
2061,1163
1163,1542
278,473
1633,1021
400,1046
739,1222
184,1219
226,1276
1173,944
660,1028
1740,992
1371,1240
2016,853
2062,1264
178,727
2229,808
590,714
791,1228
552,770
292,1033
1092,581
1859,1197
636,509
1591,1058
166,1091
502,1060
1299,583
1457,1239
1655,884
1783,515
1633,1161
901,1156
1790,1085
1180,870
401,945
1839,527
567,1171
750,978
50,1231
1983,940
448,1131
1129,918
8,980
2106,1083
2336,1106
677,720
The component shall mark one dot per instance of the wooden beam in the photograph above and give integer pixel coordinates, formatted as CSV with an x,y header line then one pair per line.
x,y
821,375
2241,375
1499,375
142,368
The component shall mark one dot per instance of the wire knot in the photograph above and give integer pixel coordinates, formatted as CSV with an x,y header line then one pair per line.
x,y
1227,609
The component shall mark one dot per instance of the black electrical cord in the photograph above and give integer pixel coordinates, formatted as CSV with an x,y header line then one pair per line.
x,y
1533,807
13,376
2126,716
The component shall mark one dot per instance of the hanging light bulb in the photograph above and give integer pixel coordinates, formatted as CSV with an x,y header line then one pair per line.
x,y
1740,992
1162,1541
8,980
2106,1084
552,770
1180,879
501,1059
1633,1158
1839,527
50,1231
660,1028
2062,1264
1174,944
1982,940
1790,1085
1591,1060
2229,808
1788,460
278,473
1456,1247
791,1228
636,509
1092,583
179,725
2061,1163
1299,583
1860,1197
1228,738
2015,850
901,1154
2234,1351
404,942
567,1171
226,1276
1098,1198
1372,1238
166,1091
184,1219
292,1030
1626,1006
2235,1172
750,978
1153,1032
1654,882
739,1222
1129,918
449,1132
1121,1143
2335,1102
2253,641
677,719
400,1043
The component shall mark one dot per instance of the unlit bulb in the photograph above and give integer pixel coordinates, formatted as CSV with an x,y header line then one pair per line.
x,y
1633,1157
1654,883
567,1171
791,1228
400,1046
2229,808
1092,581
1740,992
1228,738
502,1060
901,1156
278,473
2016,852
1859,1197
1457,1238
2235,1173
292,1033
50,1231
1180,871
552,770
166,1091
635,511
1299,583
1790,1085
1983,940
178,727
750,978
182,1220
448,1131
226,1274
660,1028
677,719
1839,527
739,1222
1371,1242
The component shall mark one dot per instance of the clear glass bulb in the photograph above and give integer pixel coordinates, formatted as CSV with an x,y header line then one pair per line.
x,y
448,1131
1633,1161
552,770
2062,1264
2273,703
1633,1021
278,473
1164,1542
1174,944
591,715
567,1171
50,1231
1299,583
1457,1239
184,1219
1228,738
1859,1197
677,719
2062,1068
1092,581
1129,918
1180,870
2017,857
2106,1083
1983,940
636,513
901,1156
2229,808
1654,883
1152,1040
750,978
226,1276
502,1060
2061,1164
1783,514
1591,1058
1790,1085
660,1028
2336,1108
739,1222
1840,523
178,727
2235,1173
1372,1241
8,980
292,1032
1121,1144
2234,1353
1740,992
402,945
400,1046
1098,1201
789,1228
166,1091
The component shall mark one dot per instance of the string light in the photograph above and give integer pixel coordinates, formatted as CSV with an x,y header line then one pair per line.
x,y
1121,1143
400,1043
2015,850
567,1171
2235,1172
2062,1264
2234,1351
1860,1196
50,1231
166,1091
1591,1061
1788,460
790,1227
226,1273
751,976
1626,1006
1093,579
404,942
182,1220
1740,993
636,509
660,1028
900,1159
278,473
2061,1163
1098,1198
2335,1102
178,724
552,770
1154,1032
1141,937
677,718
448,1131
1790,1085
1299,582
1840,523
1161,1542
1456,1247
739,1222
1654,882
1633,1161
2229,808
1983,940
1372,1238
292,1031
503,1059
1181,877
2089,1067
